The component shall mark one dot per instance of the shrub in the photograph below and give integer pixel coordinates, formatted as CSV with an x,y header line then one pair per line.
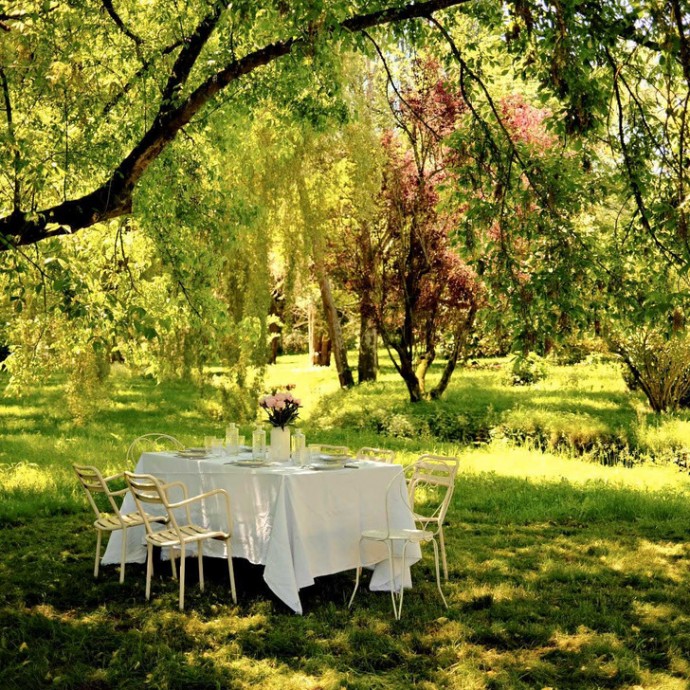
x,y
527,369
467,427
658,364
573,351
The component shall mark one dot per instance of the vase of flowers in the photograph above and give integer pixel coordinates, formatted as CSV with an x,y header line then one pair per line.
x,y
282,408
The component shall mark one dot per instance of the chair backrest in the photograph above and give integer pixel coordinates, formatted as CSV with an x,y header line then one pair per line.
x,y
380,454
153,441
147,489
430,486
94,483
334,450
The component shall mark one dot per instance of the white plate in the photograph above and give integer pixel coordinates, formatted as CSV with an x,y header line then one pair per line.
x,y
332,459
193,453
326,466
249,463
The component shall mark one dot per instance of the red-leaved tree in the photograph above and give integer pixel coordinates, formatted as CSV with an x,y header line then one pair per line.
x,y
414,284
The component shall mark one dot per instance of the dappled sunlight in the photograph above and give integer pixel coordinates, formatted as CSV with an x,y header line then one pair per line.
x,y
658,680
653,614
573,401
511,461
651,560
23,411
25,476
583,637
664,432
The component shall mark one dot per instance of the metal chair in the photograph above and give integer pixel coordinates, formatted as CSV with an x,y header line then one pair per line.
x,y
147,489
95,483
379,454
153,440
429,472
430,489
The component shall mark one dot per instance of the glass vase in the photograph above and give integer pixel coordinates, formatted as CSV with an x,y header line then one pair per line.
x,y
280,444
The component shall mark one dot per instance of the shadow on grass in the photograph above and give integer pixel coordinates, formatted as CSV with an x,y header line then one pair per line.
x,y
551,585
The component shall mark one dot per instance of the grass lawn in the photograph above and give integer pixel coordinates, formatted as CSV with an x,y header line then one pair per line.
x,y
563,573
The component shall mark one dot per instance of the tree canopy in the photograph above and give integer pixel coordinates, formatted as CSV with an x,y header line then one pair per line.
x,y
177,133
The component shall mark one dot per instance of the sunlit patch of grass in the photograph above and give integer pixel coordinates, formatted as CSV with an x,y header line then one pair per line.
x,y
665,433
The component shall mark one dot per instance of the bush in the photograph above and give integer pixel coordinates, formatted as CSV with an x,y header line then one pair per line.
x,y
526,370
659,365
466,427
578,434
573,351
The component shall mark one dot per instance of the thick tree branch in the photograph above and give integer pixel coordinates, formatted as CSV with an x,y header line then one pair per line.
x,y
108,5
114,197
188,57
683,39
16,159
145,67
631,169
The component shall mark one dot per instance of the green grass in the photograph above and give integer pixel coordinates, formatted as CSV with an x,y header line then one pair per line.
x,y
563,573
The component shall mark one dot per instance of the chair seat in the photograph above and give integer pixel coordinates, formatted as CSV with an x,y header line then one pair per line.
x,y
191,533
415,536
111,523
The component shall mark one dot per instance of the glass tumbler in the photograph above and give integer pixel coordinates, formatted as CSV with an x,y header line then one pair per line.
x,y
232,440
259,444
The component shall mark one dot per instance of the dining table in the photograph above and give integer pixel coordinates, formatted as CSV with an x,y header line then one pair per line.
x,y
299,522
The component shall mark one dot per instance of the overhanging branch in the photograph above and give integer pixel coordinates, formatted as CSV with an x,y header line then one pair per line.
x,y
114,197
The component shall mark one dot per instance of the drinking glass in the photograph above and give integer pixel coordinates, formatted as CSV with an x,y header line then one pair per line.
x,y
298,442
232,440
259,444
217,447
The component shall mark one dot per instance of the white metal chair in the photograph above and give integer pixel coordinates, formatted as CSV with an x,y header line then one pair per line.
x,y
429,472
147,489
380,454
430,489
95,483
154,441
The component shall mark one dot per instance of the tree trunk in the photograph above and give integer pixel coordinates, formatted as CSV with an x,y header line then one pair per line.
x,y
404,368
411,381
325,351
425,361
336,335
367,364
460,340
311,334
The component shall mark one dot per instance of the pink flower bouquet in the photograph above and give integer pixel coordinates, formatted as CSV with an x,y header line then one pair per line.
x,y
281,407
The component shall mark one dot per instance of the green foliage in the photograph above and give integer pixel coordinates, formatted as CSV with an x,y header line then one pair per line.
x,y
527,369
657,364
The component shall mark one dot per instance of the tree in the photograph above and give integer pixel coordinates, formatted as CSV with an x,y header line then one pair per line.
x,y
423,288
173,67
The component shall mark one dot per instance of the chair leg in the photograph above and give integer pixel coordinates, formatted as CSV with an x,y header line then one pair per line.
x,y
443,551
354,591
231,572
98,553
438,573
359,573
200,559
397,603
149,569
123,555
173,564
182,569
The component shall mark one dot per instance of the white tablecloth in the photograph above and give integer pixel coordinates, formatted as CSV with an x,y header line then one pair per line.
x,y
299,523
